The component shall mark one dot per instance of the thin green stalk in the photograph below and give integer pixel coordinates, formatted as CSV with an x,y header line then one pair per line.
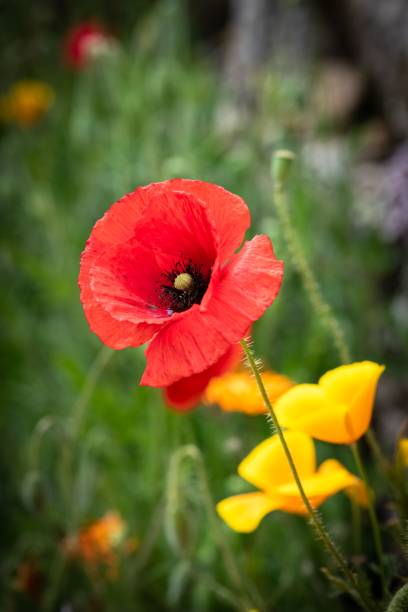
x,y
280,170
356,523
76,421
373,518
377,452
67,458
223,543
316,521
319,304
78,411
237,579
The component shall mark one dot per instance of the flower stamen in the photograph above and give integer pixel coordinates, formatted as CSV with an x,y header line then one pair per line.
x,y
186,285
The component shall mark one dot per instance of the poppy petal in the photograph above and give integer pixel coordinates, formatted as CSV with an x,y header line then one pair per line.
x,y
188,345
354,385
178,224
245,288
117,225
121,272
330,478
238,391
403,450
243,513
116,334
307,408
295,505
267,467
227,211
186,393
194,342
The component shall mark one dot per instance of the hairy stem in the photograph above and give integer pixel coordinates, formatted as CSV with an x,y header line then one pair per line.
x,y
315,519
324,311
319,304
373,518
246,600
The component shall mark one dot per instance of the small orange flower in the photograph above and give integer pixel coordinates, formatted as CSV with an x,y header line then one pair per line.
x,y
338,409
238,391
267,468
97,543
26,102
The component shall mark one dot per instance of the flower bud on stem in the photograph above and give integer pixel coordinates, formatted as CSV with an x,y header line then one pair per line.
x,y
281,164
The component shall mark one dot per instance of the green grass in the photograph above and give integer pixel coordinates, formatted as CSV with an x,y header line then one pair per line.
x,y
147,114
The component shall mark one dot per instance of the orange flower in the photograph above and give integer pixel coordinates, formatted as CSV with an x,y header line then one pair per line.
x,y
97,543
238,391
338,409
26,102
267,468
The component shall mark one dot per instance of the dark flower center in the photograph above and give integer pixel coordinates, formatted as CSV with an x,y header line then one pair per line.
x,y
184,286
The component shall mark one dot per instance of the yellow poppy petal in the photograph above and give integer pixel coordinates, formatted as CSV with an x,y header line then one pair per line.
x,y
244,512
357,489
354,386
266,466
359,493
238,391
295,505
403,450
308,408
330,478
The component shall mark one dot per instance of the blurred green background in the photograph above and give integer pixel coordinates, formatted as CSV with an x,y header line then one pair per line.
x,y
79,436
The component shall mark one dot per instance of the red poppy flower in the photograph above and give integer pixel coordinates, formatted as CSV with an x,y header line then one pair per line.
x,y
80,42
160,266
186,393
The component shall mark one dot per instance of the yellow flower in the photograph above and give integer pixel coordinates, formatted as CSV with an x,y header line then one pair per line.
x,y
403,450
238,391
26,102
267,468
338,409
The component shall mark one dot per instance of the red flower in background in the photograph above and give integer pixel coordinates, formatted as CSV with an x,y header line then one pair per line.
x,y
82,41
160,266
185,394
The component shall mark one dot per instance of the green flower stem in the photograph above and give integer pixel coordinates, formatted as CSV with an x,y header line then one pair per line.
x,y
316,521
373,518
246,599
377,452
92,378
319,304
356,525
69,449
326,315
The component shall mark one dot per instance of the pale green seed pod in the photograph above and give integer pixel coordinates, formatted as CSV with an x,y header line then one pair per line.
x,y
281,165
183,281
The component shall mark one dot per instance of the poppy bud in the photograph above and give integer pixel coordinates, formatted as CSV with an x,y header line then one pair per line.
x,y
281,164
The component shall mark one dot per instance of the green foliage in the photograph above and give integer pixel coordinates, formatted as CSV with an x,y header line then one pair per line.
x,y
79,436
399,602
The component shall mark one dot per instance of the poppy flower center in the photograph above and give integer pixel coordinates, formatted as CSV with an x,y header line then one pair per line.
x,y
185,285
183,281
